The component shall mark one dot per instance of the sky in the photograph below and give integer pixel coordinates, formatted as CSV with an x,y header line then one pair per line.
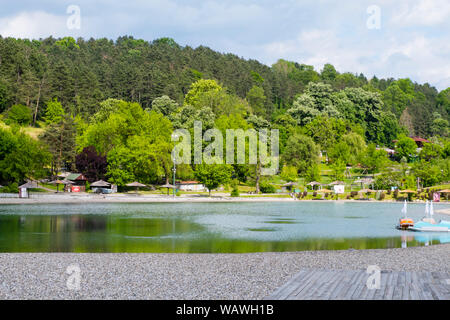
x,y
398,39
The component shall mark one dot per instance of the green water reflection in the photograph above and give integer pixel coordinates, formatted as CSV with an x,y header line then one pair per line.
x,y
203,228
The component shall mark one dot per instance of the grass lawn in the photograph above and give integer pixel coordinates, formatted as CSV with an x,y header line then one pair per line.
x,y
31,131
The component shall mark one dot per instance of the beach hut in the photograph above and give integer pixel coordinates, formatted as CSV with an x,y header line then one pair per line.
x,y
364,181
446,192
313,184
288,186
78,182
101,186
409,193
168,186
190,186
23,189
136,185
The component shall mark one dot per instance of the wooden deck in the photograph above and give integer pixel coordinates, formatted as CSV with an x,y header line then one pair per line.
x,y
351,285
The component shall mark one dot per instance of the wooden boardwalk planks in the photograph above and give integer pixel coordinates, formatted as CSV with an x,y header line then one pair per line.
x,y
351,285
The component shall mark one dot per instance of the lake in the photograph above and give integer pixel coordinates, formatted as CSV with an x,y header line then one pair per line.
x,y
225,227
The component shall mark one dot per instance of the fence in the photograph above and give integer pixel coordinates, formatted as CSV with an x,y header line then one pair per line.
x,y
9,195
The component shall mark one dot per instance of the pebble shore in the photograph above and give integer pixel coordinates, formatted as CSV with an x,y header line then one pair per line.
x,y
191,276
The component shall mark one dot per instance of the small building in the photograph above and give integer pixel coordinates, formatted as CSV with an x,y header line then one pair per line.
x,y
420,141
103,187
190,186
78,183
23,189
287,187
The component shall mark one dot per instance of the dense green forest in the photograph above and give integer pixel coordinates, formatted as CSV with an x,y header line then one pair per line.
x,y
116,103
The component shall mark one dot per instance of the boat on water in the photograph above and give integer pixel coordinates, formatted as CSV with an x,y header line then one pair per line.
x,y
429,224
405,223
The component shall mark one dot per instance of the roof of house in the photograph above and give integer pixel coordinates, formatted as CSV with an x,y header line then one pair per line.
x,y
167,185
188,182
76,176
419,139
100,183
29,185
135,184
335,183
416,139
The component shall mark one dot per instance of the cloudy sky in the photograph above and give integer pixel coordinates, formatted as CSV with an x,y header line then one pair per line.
x,y
402,38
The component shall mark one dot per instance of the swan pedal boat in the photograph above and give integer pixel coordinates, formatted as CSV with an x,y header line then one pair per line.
x,y
428,224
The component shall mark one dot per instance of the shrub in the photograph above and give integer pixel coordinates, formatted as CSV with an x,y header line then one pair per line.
x,y
178,193
235,192
266,187
395,193
11,188
234,188
19,114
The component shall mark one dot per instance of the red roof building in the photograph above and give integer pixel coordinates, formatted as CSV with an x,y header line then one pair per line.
x,y
420,141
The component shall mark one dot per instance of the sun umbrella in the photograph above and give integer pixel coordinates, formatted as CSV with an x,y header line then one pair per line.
x,y
366,190
100,184
136,184
446,191
168,186
313,184
336,183
29,185
57,182
325,190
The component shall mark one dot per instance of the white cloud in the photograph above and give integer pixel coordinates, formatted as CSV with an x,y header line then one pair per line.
x,y
33,25
418,57
423,12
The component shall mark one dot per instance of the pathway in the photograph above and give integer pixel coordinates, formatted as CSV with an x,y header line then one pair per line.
x,y
351,285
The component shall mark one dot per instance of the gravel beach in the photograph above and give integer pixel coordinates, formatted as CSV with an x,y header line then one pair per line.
x,y
191,276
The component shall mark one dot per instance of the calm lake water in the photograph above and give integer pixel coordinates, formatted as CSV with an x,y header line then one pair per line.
x,y
209,227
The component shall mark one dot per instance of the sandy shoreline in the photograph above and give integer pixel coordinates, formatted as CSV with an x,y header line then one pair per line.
x,y
128,198
192,276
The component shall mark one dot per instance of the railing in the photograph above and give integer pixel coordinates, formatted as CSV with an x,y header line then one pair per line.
x,y
9,195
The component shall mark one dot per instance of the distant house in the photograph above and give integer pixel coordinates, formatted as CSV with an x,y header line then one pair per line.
x,y
190,186
390,152
420,141
103,187
78,183
23,189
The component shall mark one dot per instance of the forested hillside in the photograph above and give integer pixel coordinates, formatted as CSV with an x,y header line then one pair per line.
x,y
107,109
81,73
